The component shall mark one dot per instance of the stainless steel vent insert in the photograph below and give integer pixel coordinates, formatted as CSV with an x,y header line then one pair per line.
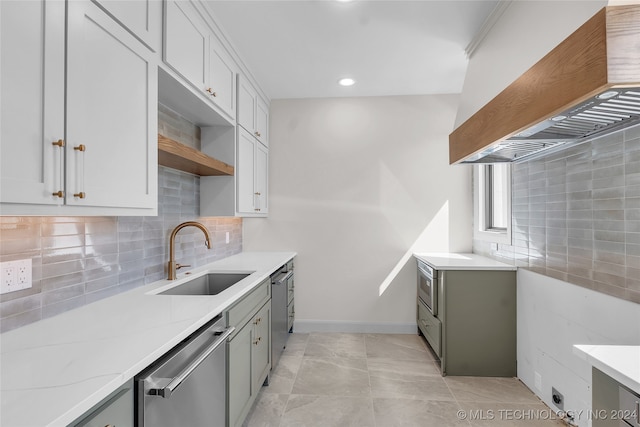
x,y
600,115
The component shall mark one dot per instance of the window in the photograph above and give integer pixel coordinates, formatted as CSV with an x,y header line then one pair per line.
x,y
492,203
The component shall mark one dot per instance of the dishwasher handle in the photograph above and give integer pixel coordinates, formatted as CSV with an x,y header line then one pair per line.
x,y
175,382
282,278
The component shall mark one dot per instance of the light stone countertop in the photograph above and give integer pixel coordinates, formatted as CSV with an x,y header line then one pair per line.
x,y
620,362
55,370
462,261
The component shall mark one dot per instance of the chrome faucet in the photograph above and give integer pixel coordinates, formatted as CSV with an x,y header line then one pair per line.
x,y
173,265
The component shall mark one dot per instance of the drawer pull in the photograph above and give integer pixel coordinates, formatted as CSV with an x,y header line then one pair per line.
x,y
58,194
58,143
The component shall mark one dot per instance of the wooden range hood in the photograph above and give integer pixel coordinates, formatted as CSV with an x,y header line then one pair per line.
x,y
587,86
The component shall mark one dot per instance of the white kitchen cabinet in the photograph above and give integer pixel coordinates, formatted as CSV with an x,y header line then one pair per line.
x,y
111,111
193,51
107,160
143,18
253,112
31,101
251,175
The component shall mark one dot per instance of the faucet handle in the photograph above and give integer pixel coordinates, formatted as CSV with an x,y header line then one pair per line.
x,y
179,266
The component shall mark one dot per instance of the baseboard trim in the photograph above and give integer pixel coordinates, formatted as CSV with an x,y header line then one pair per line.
x,y
306,326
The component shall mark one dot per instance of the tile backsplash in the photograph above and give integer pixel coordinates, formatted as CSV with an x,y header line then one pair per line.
x,y
576,215
78,260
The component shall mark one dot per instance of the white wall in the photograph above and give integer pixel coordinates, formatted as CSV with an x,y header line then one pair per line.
x,y
553,316
356,185
526,31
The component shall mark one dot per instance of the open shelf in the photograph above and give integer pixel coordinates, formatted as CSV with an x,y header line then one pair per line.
x,y
175,155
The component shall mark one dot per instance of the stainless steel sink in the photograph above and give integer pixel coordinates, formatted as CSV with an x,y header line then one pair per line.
x,y
209,284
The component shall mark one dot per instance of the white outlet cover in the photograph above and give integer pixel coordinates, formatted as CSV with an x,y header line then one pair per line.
x,y
15,275
227,237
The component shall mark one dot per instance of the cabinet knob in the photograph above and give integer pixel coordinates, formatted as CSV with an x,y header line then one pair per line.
x,y
80,147
257,210
58,143
256,133
257,194
58,193
211,92
80,195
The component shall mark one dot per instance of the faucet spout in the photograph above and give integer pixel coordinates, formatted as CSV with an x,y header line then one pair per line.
x,y
173,265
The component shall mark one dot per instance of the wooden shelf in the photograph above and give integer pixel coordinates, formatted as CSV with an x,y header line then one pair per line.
x,y
182,157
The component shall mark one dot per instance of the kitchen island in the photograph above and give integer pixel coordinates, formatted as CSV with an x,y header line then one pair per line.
x,y
55,370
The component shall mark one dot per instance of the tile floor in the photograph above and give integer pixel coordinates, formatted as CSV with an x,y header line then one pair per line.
x,y
382,380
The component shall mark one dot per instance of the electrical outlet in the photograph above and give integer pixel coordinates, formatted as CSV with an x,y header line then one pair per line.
x,y
15,275
557,398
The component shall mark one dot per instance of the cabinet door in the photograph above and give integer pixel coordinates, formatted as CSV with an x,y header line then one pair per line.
x,y
239,375
186,43
111,113
245,167
142,17
261,347
247,99
222,78
262,179
31,101
262,122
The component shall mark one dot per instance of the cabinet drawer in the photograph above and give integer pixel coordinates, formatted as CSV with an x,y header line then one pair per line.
x,y
292,316
244,309
431,327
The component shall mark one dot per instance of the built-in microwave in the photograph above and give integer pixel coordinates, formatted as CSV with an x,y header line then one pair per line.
x,y
428,286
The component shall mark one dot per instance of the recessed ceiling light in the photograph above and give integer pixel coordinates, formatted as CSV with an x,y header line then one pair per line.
x,y
346,82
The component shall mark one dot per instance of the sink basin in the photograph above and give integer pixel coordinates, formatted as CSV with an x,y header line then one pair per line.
x,y
209,284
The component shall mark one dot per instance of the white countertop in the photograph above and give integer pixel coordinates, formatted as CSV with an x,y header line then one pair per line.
x,y
620,362
464,261
54,370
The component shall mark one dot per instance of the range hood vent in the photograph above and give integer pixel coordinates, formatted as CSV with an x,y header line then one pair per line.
x,y
586,87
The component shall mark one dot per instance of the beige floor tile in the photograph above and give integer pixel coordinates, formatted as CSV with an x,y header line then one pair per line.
x,y
431,388
336,376
328,411
407,369
490,389
282,377
398,347
509,414
296,344
267,410
335,345
416,413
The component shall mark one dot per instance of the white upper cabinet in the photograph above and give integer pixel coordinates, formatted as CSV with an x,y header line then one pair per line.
x,y
193,51
106,163
252,170
186,43
31,101
111,113
142,17
253,112
222,78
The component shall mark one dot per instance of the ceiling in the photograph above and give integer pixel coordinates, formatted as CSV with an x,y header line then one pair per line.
x,y
299,49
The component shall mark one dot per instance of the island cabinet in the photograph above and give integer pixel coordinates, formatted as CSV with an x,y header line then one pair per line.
x,y
474,330
248,351
79,113
613,404
115,410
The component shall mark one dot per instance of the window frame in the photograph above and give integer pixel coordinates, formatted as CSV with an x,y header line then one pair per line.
x,y
482,194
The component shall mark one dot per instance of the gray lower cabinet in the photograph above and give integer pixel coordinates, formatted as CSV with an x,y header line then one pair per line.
x,y
613,405
248,351
115,410
474,331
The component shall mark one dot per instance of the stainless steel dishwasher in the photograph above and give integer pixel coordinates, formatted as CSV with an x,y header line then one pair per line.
x,y
186,387
279,312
